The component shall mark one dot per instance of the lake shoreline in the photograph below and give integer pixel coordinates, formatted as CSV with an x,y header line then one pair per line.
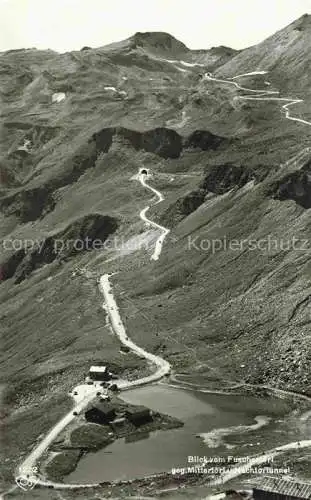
x,y
166,476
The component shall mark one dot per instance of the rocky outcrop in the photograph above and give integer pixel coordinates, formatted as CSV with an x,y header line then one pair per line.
x,y
218,180
9,267
85,231
28,205
183,207
204,140
37,135
84,235
25,145
221,178
161,141
158,41
43,253
31,204
164,142
294,186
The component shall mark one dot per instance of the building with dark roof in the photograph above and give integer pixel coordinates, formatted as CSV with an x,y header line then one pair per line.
x,y
138,415
100,413
100,372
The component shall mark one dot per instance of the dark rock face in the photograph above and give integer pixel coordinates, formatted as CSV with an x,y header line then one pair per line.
x,y
164,142
103,139
295,186
78,237
161,141
9,267
36,258
183,207
205,140
222,178
28,205
86,230
218,180
31,204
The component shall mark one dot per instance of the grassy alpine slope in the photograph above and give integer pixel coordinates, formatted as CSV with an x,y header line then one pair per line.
x,y
220,163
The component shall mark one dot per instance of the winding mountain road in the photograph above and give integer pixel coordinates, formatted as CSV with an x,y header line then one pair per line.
x,y
87,393
261,96
208,76
159,243
163,367
25,472
252,73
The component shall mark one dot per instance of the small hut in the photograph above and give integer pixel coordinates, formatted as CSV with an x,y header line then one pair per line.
x,y
138,415
100,373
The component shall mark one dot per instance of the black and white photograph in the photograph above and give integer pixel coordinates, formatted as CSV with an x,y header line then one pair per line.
x,y
155,250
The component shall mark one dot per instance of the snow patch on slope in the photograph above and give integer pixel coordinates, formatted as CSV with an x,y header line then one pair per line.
x,y
58,97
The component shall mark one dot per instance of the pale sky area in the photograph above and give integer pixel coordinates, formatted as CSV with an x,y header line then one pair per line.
x,y
64,25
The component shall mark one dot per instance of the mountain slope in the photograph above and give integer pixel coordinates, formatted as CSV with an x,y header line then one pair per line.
x,y
76,129
285,54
